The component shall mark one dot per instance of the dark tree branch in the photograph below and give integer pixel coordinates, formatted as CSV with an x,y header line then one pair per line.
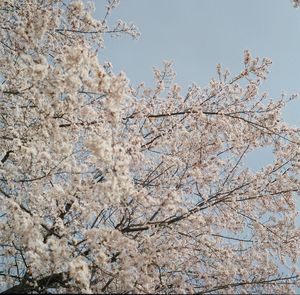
x,y
4,159
253,282
28,286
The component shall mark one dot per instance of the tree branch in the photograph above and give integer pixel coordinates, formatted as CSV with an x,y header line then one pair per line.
x,y
28,285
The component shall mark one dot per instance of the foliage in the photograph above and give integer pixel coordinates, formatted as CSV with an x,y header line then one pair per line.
x,y
109,189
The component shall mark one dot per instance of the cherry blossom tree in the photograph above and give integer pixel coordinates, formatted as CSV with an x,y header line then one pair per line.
x,y
107,188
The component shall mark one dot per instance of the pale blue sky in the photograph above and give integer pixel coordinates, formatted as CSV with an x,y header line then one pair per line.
x,y
198,34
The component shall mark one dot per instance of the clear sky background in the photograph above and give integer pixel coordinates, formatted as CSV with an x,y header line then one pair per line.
x,y
198,34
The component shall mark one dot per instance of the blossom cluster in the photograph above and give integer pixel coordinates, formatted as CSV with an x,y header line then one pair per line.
x,y
296,3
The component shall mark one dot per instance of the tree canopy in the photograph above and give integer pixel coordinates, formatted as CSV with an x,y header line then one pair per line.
x,y
106,188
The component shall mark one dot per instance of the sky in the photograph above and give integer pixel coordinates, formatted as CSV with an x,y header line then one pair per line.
x,y
198,34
